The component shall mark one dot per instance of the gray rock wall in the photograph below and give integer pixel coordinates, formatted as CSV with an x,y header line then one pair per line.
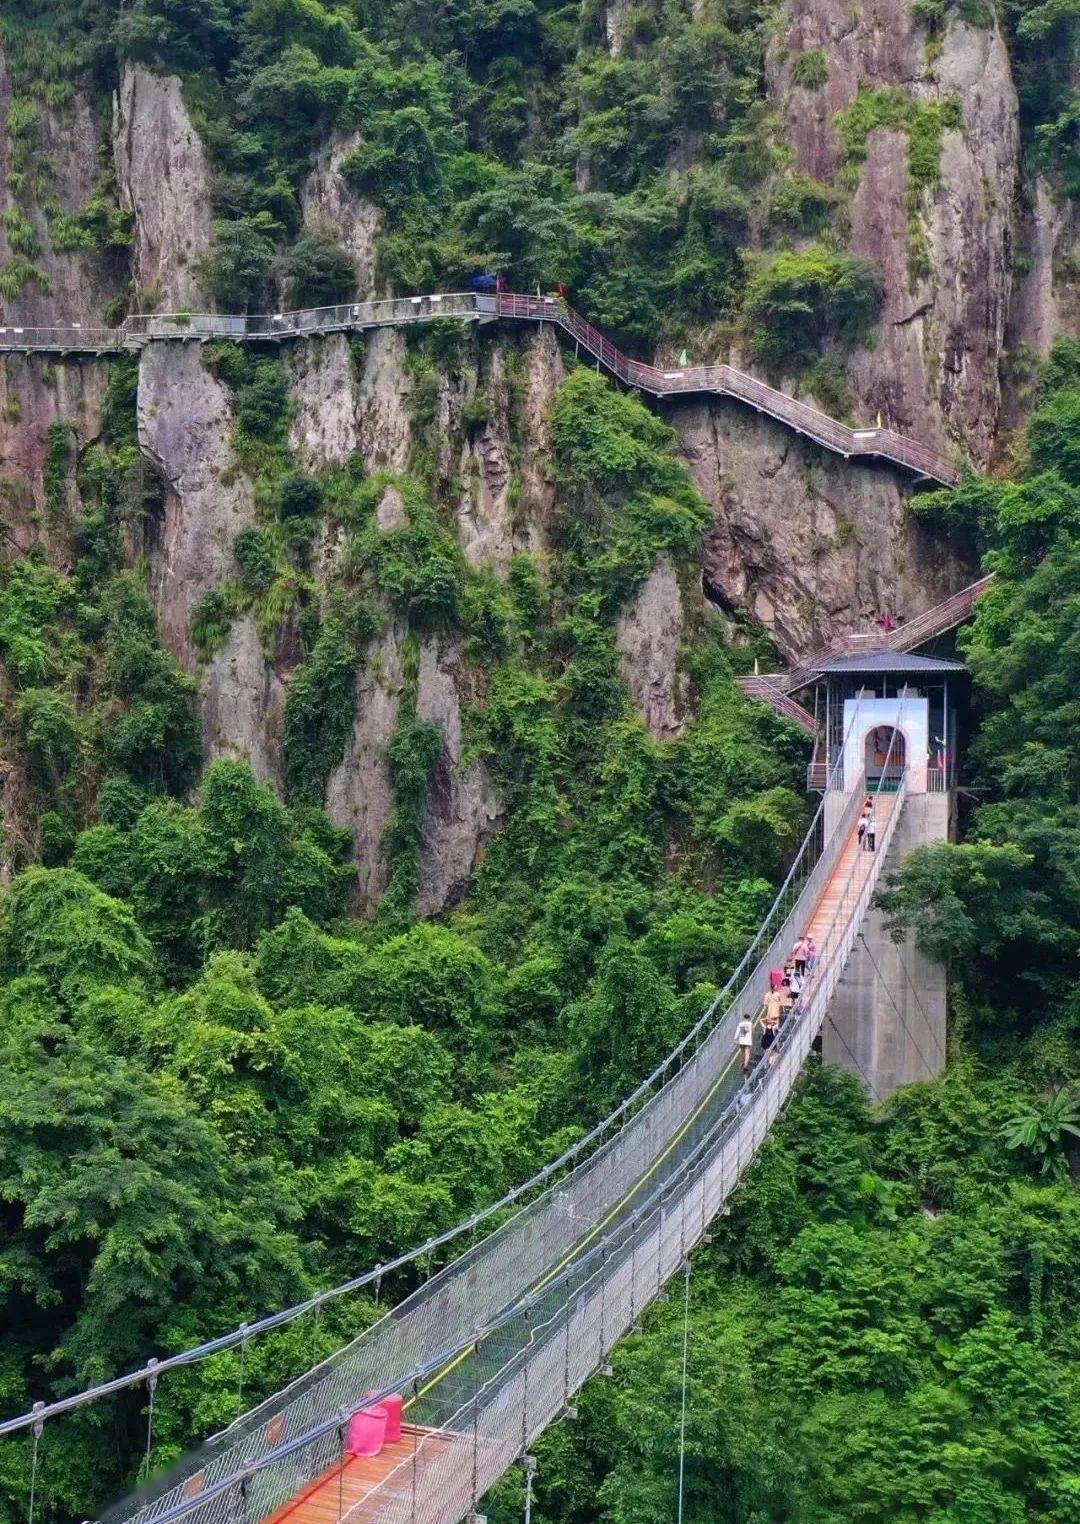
x,y
63,168
164,178
809,544
933,370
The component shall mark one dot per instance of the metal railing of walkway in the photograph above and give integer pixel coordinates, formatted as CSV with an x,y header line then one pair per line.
x,y
903,637
776,688
723,380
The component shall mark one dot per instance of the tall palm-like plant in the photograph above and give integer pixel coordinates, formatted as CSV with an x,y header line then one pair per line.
x,y
1043,1129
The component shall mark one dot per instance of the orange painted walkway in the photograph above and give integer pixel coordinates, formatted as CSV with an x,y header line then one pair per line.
x,y
851,857
346,1491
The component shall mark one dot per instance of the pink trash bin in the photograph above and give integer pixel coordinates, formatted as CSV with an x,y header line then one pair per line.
x,y
393,1406
366,1433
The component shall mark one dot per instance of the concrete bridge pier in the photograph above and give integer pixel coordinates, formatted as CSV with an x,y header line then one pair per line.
x,y
887,1016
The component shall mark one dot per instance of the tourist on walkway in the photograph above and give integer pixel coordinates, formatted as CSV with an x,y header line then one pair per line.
x,y
744,1041
774,1003
798,955
776,978
768,1039
865,820
811,952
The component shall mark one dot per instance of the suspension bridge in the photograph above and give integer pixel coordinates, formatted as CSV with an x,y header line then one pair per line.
x,y
720,380
451,1385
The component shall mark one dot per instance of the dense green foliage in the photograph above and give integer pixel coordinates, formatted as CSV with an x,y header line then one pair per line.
x,y
183,984
219,1090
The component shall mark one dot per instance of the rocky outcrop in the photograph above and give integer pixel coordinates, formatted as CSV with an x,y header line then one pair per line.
x,y
324,430
544,373
63,166
508,488
1046,294
807,543
327,201
360,793
34,393
243,703
383,419
185,426
648,638
933,370
164,178
462,807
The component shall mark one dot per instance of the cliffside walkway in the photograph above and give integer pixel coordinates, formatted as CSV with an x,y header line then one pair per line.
x,y
722,380
776,688
491,1349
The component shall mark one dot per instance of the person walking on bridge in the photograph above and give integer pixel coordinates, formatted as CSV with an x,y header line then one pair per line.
x,y
744,1041
775,1003
798,955
865,820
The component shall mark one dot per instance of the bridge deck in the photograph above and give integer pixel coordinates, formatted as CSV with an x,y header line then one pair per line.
x,y
345,1491
851,856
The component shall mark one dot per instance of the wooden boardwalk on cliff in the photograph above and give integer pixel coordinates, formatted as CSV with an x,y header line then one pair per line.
x,y
719,380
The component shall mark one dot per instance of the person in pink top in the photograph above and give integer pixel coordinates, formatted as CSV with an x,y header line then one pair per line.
x,y
776,978
811,951
798,956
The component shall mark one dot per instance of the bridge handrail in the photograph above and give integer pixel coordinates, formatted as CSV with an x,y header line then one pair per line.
x,y
913,632
756,686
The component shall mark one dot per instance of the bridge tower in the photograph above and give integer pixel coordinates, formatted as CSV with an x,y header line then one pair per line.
x,y
884,713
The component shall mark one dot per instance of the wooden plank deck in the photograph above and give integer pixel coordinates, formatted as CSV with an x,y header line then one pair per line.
x,y
346,1490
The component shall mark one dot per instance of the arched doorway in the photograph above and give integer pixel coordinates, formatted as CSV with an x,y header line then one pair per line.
x,y
885,755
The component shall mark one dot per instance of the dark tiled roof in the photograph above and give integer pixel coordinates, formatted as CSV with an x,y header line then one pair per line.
x,y
891,661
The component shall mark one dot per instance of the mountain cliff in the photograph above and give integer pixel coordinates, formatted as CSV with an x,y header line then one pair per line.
x,y
855,204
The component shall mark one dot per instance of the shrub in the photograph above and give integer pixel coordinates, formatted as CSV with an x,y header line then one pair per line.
x,y
798,302
237,270
317,270
299,495
802,204
810,69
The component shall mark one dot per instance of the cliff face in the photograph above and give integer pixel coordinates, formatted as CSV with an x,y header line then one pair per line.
x,y
943,251
53,161
164,180
811,545
806,543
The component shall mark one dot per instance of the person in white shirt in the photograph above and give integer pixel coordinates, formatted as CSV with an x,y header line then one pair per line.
x,y
744,1041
